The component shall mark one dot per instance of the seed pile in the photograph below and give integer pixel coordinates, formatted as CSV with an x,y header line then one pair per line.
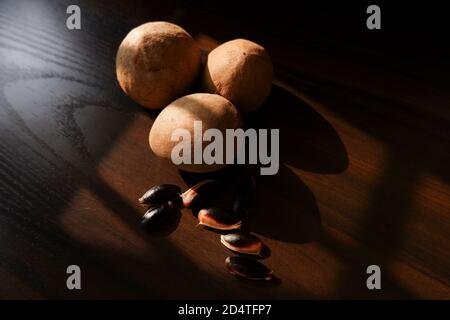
x,y
165,200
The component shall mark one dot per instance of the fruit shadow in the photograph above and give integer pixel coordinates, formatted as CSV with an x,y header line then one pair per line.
x,y
307,140
284,207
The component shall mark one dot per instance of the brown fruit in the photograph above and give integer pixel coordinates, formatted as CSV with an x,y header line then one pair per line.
x,y
212,110
156,63
241,71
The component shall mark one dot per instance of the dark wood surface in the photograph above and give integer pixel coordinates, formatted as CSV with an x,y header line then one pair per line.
x,y
365,175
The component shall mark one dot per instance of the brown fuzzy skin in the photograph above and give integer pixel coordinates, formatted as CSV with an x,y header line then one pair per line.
x,y
241,71
213,110
156,63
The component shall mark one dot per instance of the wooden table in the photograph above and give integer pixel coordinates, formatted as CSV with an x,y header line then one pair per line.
x,y
365,175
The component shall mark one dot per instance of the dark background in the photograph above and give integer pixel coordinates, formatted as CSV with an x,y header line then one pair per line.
x,y
409,29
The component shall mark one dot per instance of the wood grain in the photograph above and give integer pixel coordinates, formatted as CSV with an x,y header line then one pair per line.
x,y
364,177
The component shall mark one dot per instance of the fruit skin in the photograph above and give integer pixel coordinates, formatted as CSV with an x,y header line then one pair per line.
x,y
156,63
212,110
241,71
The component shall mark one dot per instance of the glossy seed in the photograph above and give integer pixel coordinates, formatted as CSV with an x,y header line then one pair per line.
x,y
242,199
200,194
156,215
217,218
242,242
160,193
248,268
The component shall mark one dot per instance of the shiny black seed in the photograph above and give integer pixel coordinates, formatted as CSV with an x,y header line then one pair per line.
x,y
156,215
161,193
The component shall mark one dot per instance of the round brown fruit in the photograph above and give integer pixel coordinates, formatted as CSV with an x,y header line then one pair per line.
x,y
212,110
241,71
156,63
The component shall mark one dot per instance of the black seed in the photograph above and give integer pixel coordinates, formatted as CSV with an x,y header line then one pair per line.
x,y
156,215
242,242
243,198
161,193
248,268
217,218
